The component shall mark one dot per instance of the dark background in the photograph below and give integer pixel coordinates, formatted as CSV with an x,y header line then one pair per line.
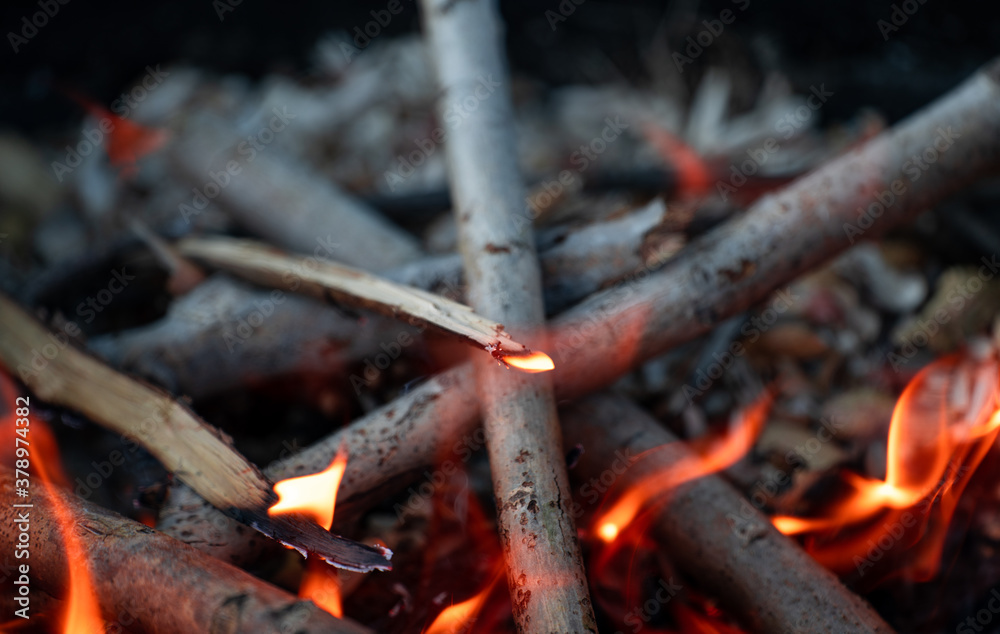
x,y
99,47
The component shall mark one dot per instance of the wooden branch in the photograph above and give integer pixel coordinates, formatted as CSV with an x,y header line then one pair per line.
x,y
425,426
588,259
783,235
225,334
545,574
575,261
197,453
147,581
378,446
218,337
342,284
284,200
712,533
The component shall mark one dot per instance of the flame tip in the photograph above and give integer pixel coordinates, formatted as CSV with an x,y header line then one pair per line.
x,y
531,362
313,495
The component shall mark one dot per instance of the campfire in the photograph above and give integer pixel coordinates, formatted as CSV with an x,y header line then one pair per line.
x,y
410,343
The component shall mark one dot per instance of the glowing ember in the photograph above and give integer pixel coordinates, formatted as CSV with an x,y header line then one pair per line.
x,y
693,175
943,425
608,531
315,495
321,584
532,363
127,141
717,454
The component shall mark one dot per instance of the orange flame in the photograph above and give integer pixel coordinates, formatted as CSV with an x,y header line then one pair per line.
x,y
321,584
460,616
315,495
718,454
532,363
935,444
83,613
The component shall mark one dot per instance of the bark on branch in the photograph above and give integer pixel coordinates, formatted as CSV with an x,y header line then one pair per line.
x,y
545,575
147,581
712,533
345,285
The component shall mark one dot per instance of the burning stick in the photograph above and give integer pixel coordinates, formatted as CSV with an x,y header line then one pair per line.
x,y
197,453
545,574
380,446
712,532
726,272
210,341
147,581
342,284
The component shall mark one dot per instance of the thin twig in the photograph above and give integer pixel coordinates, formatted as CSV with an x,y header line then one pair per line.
x,y
545,574
341,284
